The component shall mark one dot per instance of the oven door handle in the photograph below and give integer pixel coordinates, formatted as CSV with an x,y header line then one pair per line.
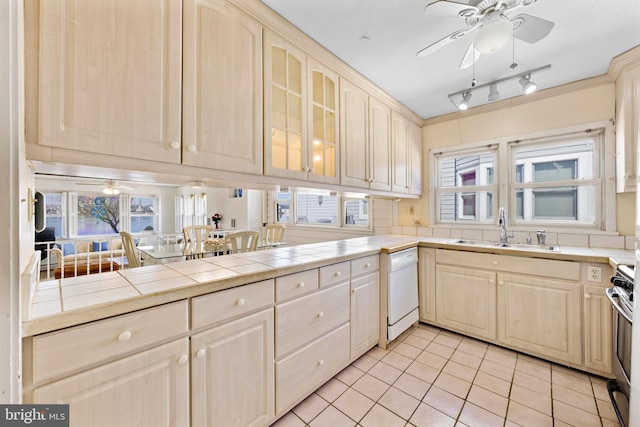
x,y
613,297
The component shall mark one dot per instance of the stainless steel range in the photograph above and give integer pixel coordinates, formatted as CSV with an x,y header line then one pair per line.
x,y
621,297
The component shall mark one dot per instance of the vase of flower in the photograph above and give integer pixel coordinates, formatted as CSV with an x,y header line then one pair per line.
x,y
216,218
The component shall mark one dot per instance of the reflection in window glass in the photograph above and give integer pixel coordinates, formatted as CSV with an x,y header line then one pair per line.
x,y
98,214
317,209
356,212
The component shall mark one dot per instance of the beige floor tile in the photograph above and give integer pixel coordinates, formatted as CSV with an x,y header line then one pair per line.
x,y
448,339
609,423
349,375
526,416
426,416
371,386
396,360
599,388
579,384
536,360
399,402
495,384
466,359
422,371
354,404
531,399
541,372
407,350
432,360
574,398
497,370
444,401
379,416
289,420
384,372
473,347
425,334
501,356
416,342
412,386
364,363
332,417
377,353
473,415
571,372
532,383
558,423
309,408
460,371
331,390
605,409
440,350
574,416
488,400
453,384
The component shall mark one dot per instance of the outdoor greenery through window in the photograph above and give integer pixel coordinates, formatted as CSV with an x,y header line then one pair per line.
x,y
545,181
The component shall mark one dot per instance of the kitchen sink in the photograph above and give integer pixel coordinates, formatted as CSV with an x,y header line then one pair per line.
x,y
508,245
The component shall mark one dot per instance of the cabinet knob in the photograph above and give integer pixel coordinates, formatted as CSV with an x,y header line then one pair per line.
x,y
183,359
587,296
124,336
353,291
337,274
301,285
175,145
367,265
201,352
501,283
191,148
320,362
491,281
240,301
321,314
495,263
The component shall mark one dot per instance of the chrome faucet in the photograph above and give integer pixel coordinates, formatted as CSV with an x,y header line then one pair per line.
x,y
502,223
540,234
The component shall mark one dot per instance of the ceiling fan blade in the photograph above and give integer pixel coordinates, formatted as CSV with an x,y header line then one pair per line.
x,y
124,187
444,41
447,8
470,56
530,28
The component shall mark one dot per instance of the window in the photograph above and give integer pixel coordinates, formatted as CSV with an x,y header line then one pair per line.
x,y
283,201
320,208
55,212
316,208
356,212
143,214
554,180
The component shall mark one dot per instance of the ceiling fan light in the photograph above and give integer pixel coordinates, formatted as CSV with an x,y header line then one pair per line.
x,y
464,104
494,95
111,191
527,85
493,36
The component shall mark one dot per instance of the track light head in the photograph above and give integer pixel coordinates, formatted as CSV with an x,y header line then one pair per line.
x,y
464,104
527,85
494,95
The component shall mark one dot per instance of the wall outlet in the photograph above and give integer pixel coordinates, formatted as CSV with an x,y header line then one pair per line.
x,y
594,274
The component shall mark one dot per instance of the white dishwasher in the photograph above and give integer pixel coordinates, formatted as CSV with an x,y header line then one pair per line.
x,y
402,298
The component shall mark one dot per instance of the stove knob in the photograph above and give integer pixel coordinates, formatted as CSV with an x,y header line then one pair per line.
x,y
631,296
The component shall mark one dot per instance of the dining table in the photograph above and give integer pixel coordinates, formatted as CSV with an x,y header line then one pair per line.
x,y
167,252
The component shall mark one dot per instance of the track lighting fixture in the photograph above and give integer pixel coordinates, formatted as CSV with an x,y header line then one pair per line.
x,y
461,98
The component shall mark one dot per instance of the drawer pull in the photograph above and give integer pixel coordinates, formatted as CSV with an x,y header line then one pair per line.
x,y
201,352
301,285
240,301
495,263
320,362
183,359
124,336
337,274
367,265
321,314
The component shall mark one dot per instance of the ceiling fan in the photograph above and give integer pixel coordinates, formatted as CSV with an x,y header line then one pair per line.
x,y
491,19
111,187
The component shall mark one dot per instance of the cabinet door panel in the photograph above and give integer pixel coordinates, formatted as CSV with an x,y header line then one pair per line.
x,y
365,313
107,86
233,373
401,161
147,389
598,330
540,315
427,284
222,88
466,300
354,135
379,145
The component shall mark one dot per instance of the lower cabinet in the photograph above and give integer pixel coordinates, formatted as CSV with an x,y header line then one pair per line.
x,y
466,300
427,284
233,374
540,315
598,327
365,313
148,389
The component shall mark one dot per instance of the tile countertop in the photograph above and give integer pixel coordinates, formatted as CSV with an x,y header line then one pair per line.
x,y
67,302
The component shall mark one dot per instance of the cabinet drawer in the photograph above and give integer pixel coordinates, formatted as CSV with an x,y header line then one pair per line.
x,y
303,371
336,273
69,350
567,270
296,284
364,265
309,317
219,306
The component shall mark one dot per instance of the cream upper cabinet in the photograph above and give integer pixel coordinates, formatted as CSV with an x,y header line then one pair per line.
x,y
366,139
407,156
541,315
598,319
233,373
110,77
627,119
427,284
150,389
365,313
222,88
466,300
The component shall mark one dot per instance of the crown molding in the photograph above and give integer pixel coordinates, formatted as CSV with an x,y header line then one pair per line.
x,y
630,58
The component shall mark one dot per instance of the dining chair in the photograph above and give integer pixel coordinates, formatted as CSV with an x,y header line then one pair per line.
x,y
243,241
275,232
197,233
130,250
